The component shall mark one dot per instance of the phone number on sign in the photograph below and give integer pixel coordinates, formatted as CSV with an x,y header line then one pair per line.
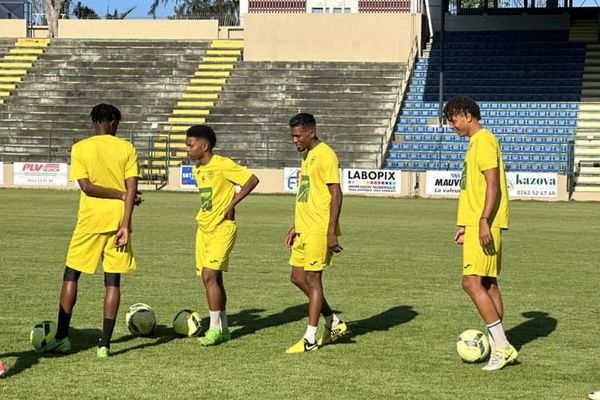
x,y
533,192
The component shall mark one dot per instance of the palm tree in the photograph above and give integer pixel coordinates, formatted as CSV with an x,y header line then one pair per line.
x,y
227,11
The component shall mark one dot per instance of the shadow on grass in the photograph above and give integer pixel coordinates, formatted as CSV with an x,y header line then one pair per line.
x,y
540,324
251,322
378,323
81,340
163,334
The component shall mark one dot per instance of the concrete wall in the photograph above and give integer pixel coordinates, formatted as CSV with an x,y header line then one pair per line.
x,y
231,32
331,37
139,29
13,28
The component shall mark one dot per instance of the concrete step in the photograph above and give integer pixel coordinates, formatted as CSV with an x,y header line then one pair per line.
x,y
323,80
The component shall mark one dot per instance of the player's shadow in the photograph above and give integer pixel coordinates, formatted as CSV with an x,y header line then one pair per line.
x,y
81,340
378,323
540,324
163,334
250,320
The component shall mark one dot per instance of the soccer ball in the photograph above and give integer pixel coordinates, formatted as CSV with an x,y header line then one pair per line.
x,y
472,346
42,333
140,319
187,323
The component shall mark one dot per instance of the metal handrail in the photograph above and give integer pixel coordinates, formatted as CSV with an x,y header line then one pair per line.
x,y
400,97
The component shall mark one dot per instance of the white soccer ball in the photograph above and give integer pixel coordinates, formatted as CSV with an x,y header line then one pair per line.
x,y
472,345
187,323
140,319
42,333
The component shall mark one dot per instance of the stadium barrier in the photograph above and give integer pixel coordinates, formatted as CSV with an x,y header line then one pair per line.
x,y
389,183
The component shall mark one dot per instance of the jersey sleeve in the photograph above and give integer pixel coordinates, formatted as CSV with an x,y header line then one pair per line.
x,y
132,168
78,168
330,169
487,154
235,173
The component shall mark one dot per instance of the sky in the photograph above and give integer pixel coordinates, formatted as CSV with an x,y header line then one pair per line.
x,y
141,7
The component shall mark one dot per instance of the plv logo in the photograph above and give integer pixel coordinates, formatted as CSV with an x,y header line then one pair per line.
x,y
32,167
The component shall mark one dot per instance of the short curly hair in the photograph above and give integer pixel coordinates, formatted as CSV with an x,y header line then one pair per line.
x,y
462,105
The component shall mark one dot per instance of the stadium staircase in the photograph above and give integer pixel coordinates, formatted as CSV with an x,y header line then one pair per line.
x,y
49,109
586,168
193,107
17,59
527,83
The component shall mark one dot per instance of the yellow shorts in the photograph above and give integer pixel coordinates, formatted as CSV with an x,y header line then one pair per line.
x,y
88,249
475,260
310,252
213,248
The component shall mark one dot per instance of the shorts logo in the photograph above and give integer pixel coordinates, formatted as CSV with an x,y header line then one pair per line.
x,y
312,264
303,190
206,199
467,266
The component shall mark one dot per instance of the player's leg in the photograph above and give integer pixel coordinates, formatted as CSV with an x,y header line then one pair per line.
x,y
2,369
68,298
491,286
479,271
112,299
298,278
212,251
116,261
215,299
225,335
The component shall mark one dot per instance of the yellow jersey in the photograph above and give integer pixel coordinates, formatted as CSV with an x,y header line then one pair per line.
x,y
313,201
107,161
483,154
216,183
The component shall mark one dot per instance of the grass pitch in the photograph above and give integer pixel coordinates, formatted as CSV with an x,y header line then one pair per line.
x,y
397,283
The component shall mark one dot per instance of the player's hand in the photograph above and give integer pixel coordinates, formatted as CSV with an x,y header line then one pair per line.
x,y
459,237
230,213
289,238
485,237
332,243
122,238
138,200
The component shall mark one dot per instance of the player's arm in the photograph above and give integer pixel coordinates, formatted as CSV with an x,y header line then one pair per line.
x,y
100,192
289,238
492,181
241,195
122,237
335,210
459,236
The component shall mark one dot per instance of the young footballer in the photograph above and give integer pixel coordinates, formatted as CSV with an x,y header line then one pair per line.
x,y
314,237
216,178
106,169
482,215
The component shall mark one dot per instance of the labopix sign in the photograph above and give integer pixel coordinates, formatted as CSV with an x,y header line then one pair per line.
x,y
372,181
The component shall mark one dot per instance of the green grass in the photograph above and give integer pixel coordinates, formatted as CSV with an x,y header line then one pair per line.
x,y
397,282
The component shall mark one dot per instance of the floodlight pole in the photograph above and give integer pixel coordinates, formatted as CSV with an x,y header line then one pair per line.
x,y
442,34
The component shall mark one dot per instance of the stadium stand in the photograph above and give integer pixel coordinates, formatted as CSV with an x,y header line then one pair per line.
x,y
352,102
193,107
49,110
528,84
